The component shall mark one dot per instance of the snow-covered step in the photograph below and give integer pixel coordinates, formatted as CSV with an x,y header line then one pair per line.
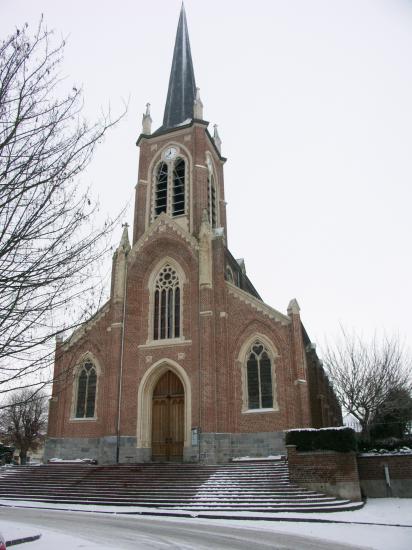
x,y
233,487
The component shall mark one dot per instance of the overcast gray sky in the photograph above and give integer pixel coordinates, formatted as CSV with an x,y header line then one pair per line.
x,y
314,104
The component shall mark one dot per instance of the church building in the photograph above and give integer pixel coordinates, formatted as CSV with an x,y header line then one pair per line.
x,y
184,362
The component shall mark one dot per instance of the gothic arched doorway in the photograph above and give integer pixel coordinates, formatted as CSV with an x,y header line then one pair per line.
x,y
168,418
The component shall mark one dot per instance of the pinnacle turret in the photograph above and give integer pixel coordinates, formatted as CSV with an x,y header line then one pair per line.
x,y
124,245
147,121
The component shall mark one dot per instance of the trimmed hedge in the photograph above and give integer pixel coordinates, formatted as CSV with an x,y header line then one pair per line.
x,y
342,440
387,444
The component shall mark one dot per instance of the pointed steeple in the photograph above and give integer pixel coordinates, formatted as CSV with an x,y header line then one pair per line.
x,y
181,94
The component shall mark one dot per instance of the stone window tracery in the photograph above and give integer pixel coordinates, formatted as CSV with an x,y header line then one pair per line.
x,y
259,377
167,314
86,391
170,188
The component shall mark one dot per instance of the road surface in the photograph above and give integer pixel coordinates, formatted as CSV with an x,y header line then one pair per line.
x,y
118,532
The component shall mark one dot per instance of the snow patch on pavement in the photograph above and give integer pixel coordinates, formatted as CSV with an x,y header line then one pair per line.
x,y
374,526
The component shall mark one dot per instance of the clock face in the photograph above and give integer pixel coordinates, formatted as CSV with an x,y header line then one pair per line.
x,y
170,153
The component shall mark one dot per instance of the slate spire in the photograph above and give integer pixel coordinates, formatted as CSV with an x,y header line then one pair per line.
x,y
182,86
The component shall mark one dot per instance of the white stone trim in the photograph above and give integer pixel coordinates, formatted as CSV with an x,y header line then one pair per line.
x,y
212,172
151,289
165,343
242,360
158,268
257,304
261,411
145,401
185,154
88,419
87,356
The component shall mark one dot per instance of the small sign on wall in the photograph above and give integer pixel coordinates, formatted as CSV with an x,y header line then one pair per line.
x,y
195,437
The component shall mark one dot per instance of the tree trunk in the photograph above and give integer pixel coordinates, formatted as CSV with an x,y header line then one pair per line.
x,y
365,430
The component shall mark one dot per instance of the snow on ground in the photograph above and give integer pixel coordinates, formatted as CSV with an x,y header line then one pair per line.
x,y
256,458
49,540
380,525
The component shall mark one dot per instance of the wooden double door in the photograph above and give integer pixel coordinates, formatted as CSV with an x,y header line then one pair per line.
x,y
168,419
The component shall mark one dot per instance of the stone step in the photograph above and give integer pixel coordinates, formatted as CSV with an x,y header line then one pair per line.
x,y
170,496
234,487
217,507
144,488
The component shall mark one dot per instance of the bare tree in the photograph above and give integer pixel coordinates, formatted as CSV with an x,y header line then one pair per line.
x,y
50,246
393,416
366,374
23,423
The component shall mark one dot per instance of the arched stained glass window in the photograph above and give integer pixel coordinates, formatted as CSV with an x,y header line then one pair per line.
x,y
259,378
166,318
161,190
86,391
178,187
211,201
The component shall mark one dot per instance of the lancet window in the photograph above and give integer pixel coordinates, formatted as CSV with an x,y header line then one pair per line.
x,y
211,201
259,377
161,189
167,304
178,188
86,391
170,188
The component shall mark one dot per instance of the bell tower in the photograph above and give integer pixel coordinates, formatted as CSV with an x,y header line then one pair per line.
x,y
180,166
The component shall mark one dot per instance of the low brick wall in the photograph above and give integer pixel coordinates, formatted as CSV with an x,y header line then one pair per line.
x,y
329,472
385,475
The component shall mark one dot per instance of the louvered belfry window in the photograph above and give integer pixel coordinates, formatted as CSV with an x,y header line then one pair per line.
x,y
259,378
211,201
86,391
166,318
178,187
170,188
161,189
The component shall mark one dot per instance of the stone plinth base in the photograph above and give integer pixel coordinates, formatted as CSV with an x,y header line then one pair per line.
x,y
211,448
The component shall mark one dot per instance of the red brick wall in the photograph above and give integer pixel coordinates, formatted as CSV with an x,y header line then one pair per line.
x,y
372,467
328,471
321,466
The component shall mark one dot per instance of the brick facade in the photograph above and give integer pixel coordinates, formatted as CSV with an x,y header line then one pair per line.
x,y
221,316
